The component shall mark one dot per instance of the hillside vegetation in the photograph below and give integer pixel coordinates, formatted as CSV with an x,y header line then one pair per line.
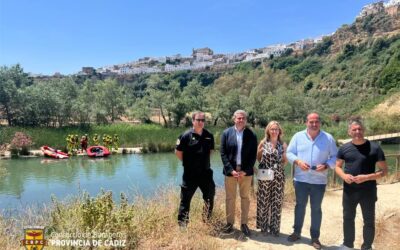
x,y
346,74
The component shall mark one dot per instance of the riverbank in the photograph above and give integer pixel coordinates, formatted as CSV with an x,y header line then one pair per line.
x,y
153,137
151,223
39,153
150,137
130,136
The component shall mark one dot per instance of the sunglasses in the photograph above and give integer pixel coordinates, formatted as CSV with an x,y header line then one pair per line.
x,y
200,120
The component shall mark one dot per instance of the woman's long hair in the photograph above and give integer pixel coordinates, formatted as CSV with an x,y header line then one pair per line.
x,y
268,127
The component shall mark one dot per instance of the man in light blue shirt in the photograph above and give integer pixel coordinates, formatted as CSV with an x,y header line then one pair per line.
x,y
312,151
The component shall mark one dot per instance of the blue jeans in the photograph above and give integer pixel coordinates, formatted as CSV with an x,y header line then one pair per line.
x,y
316,193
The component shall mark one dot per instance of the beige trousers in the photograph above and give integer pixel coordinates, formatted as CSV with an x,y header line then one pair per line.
x,y
231,184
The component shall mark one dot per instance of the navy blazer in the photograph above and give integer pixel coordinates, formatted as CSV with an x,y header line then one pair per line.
x,y
229,150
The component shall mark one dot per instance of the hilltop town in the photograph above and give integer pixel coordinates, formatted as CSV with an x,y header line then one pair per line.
x,y
204,58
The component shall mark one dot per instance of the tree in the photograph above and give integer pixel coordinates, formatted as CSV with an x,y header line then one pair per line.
x,y
348,51
390,76
8,98
66,89
322,47
284,62
110,98
307,86
157,99
223,105
193,95
286,105
11,78
176,104
305,68
84,108
40,105
141,110
254,104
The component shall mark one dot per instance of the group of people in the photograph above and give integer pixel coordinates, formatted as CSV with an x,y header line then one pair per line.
x,y
312,151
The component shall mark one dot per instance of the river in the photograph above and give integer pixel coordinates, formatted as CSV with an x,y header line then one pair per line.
x,y
32,181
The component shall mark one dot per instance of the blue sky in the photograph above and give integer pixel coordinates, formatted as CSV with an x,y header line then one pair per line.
x,y
48,36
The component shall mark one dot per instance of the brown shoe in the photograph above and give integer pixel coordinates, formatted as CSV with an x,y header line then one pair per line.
x,y
293,237
316,244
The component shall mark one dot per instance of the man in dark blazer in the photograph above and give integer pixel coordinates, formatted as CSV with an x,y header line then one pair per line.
x,y
238,154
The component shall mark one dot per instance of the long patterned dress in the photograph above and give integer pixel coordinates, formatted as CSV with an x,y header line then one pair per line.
x,y
270,193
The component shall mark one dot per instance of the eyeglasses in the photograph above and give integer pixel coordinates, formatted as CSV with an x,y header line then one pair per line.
x,y
200,120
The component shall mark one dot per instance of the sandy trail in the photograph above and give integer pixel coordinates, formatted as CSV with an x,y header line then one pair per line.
x,y
331,229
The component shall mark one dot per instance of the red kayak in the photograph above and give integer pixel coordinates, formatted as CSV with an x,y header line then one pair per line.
x,y
54,153
97,151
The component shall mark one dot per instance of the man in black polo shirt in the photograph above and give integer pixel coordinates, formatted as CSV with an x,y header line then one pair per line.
x,y
359,183
194,148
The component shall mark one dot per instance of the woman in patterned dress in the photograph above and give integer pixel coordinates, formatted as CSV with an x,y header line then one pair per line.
x,y
271,154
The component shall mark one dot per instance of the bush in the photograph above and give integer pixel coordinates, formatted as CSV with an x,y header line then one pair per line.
x,y
151,147
304,69
284,62
348,51
322,47
384,124
24,151
14,152
20,144
97,214
390,76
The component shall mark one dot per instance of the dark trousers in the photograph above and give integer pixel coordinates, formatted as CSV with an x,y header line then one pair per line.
x,y
366,198
189,186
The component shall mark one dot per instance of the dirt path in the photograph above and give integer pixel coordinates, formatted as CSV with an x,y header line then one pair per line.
x,y
331,229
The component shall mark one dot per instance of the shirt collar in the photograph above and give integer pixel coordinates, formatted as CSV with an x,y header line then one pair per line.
x,y
194,132
238,131
308,136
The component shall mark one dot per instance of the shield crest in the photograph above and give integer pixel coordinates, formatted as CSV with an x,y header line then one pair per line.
x,y
34,239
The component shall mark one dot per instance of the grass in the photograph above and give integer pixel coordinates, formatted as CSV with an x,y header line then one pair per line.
x,y
130,135
144,223
150,223
154,138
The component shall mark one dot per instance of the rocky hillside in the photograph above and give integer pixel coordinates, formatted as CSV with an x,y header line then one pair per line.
x,y
346,74
379,21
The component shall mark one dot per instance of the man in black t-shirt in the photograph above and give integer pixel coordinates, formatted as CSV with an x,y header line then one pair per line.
x,y
194,148
359,183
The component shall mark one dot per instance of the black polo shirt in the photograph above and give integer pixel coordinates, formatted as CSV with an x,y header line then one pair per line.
x,y
196,150
360,159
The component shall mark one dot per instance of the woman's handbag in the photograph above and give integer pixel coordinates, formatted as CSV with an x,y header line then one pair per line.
x,y
265,174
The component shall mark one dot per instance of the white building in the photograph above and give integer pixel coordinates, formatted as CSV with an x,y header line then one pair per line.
x,y
203,54
371,9
182,66
392,3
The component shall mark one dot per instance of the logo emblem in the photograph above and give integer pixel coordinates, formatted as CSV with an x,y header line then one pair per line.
x,y
34,238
